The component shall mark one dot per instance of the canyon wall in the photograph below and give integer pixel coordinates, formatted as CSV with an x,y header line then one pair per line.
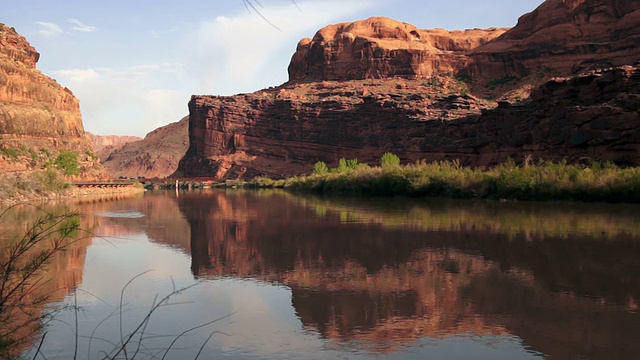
x,y
563,37
157,155
358,90
585,118
36,113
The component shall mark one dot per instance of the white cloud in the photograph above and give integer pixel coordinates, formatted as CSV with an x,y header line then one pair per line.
x,y
129,101
162,106
78,75
49,29
232,54
80,26
156,34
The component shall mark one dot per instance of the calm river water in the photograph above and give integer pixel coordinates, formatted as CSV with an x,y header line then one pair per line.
x,y
284,276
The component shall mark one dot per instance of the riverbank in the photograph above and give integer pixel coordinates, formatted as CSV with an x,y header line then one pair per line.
x,y
541,181
39,186
538,181
70,192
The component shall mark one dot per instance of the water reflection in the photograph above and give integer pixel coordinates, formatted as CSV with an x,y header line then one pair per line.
x,y
397,278
373,274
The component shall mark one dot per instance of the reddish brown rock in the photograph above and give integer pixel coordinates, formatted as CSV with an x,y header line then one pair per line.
x,y
563,37
103,145
590,117
385,86
38,117
379,48
157,155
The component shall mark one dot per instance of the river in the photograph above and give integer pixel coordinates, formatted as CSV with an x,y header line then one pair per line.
x,y
275,275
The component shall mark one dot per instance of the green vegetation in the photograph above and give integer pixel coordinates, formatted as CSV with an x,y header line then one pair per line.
x,y
542,181
11,152
389,160
67,161
35,182
23,261
320,168
465,78
91,155
502,81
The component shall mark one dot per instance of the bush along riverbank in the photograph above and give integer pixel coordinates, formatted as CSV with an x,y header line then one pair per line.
x,y
48,184
543,180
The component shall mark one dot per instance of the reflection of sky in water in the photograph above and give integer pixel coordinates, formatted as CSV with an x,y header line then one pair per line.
x,y
122,214
262,322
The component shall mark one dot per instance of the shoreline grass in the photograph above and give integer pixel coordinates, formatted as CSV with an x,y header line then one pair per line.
x,y
542,181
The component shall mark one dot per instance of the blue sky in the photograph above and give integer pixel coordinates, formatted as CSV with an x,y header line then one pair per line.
x,y
134,64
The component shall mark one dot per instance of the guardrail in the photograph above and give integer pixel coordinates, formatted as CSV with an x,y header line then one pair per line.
x,y
102,184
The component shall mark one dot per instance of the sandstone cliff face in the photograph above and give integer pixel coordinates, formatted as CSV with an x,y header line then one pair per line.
x,y
157,155
105,144
379,48
358,90
279,133
36,113
564,37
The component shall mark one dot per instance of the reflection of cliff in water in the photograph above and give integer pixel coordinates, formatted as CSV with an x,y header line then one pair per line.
x,y
58,278
154,213
364,277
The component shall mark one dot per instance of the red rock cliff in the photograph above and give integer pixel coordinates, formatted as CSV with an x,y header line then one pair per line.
x,y
564,37
407,100
379,48
37,113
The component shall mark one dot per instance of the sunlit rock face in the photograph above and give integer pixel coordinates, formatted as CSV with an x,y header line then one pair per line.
x,y
283,132
157,155
564,37
358,90
36,112
380,48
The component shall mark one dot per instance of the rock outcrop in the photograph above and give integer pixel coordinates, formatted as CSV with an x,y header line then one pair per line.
x,y
157,155
379,48
563,37
279,133
38,117
103,145
358,90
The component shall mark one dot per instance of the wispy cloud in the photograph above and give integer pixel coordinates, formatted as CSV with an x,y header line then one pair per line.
x,y
78,75
49,29
126,100
230,52
80,26
156,34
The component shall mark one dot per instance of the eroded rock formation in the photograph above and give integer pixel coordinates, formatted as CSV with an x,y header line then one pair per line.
x,y
563,37
379,48
105,144
157,155
36,113
278,133
358,90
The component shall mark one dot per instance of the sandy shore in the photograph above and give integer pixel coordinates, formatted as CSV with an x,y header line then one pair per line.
x,y
71,192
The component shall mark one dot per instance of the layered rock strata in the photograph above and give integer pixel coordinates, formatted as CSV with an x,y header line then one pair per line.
x,y
157,155
358,90
36,113
563,37
378,48
279,133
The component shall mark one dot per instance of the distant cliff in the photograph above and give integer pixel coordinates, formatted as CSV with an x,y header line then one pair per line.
x,y
103,145
157,155
38,117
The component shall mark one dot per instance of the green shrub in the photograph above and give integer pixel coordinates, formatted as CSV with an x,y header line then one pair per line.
x,y
389,160
67,161
11,152
320,168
